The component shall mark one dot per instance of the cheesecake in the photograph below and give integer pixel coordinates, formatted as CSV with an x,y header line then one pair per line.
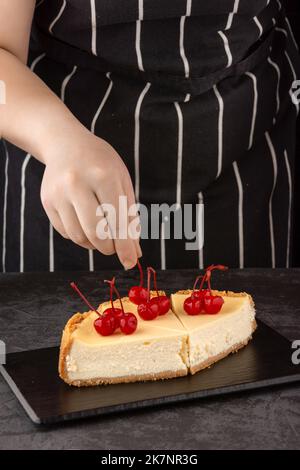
x,y
172,345
213,337
157,350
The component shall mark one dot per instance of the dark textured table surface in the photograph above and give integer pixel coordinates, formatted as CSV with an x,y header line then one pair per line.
x,y
33,311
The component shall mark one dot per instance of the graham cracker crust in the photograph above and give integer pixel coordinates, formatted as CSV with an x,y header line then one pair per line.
x,y
66,342
126,379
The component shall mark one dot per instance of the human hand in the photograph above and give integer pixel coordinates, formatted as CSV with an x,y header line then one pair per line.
x,y
82,172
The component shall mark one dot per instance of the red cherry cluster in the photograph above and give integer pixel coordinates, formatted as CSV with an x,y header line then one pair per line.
x,y
112,318
148,308
202,300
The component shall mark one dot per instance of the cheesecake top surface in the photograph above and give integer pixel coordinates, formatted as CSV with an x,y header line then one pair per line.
x,y
169,325
233,303
146,331
169,321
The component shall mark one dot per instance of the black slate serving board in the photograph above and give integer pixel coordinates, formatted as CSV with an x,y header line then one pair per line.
x,y
32,376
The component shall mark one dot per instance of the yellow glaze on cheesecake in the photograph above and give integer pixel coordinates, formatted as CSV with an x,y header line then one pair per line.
x,y
169,321
172,345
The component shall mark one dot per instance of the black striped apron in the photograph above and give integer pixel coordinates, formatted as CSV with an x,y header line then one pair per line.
x,y
195,96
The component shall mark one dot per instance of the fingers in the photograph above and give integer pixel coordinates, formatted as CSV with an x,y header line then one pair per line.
x,y
126,251
72,226
72,204
134,220
85,206
56,222
125,247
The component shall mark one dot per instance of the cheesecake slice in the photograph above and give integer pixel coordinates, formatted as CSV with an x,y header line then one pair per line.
x,y
213,337
172,345
157,350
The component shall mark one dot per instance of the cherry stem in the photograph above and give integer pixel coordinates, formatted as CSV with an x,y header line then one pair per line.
x,y
208,277
141,273
209,270
196,282
152,270
220,267
76,289
113,286
148,283
204,278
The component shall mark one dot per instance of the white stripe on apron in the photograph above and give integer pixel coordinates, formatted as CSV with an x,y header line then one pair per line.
x,y
220,129
181,39
94,27
138,36
254,113
39,3
227,48
291,33
179,153
281,30
181,44
289,176
64,4
231,15
22,210
240,214
137,141
275,171
65,83
295,101
277,69
102,104
259,25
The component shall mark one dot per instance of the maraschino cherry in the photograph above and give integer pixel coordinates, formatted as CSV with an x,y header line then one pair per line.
x,y
105,325
193,304
113,311
162,300
128,323
149,310
212,304
138,294
125,320
202,300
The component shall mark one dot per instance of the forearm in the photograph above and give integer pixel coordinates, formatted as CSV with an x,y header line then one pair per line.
x,y
33,116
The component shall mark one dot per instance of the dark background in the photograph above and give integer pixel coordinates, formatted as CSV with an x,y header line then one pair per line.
x,y
293,12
